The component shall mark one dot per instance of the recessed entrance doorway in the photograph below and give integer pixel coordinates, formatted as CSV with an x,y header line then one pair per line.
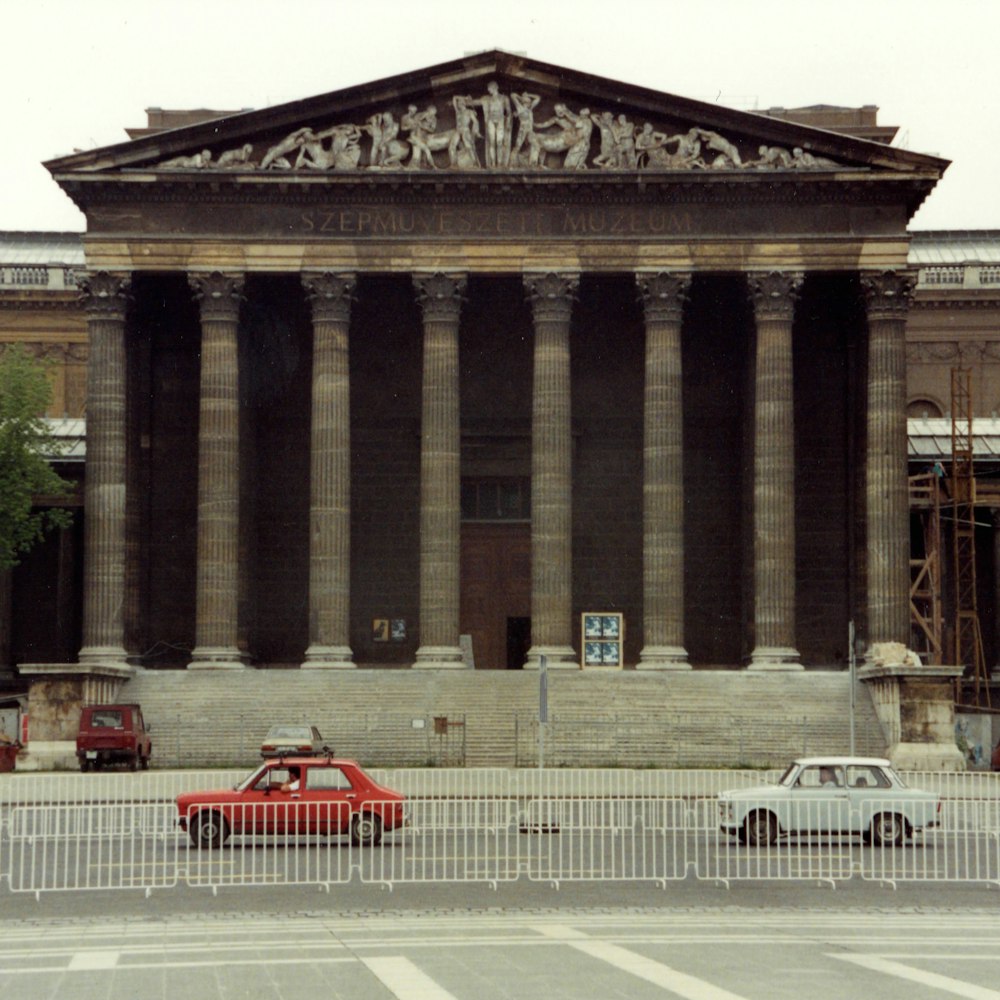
x,y
496,593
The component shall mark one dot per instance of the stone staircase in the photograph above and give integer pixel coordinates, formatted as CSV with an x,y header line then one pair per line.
x,y
702,718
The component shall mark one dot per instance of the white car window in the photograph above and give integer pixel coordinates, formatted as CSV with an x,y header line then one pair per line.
x,y
821,776
326,779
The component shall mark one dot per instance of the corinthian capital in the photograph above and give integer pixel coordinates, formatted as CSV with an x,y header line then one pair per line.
x,y
663,295
105,295
551,295
889,294
774,294
330,295
440,295
218,294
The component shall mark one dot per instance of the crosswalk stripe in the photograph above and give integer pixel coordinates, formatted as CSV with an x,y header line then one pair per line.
x,y
405,980
653,972
932,979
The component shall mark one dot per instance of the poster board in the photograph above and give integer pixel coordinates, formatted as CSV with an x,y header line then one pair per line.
x,y
602,640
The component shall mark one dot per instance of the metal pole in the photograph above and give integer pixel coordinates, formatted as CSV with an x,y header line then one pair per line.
x,y
543,707
852,667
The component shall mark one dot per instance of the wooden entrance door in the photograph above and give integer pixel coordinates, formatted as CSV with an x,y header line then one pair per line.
x,y
496,588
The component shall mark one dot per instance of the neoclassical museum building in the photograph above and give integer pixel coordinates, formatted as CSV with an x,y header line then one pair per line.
x,y
482,364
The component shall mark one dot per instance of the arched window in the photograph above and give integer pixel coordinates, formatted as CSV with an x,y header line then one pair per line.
x,y
924,408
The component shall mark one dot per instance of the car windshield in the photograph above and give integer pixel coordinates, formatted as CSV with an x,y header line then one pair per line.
x,y
250,780
786,778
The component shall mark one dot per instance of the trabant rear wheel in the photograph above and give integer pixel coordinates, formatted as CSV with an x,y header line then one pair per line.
x,y
366,830
888,828
209,829
761,828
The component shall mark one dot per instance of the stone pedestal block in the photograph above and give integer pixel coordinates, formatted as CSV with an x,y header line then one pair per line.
x,y
916,707
56,694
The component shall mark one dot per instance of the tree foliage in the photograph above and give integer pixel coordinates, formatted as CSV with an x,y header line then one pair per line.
x,y
25,441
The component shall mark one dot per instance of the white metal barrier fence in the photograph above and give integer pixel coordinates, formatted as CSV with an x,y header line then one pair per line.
x,y
489,827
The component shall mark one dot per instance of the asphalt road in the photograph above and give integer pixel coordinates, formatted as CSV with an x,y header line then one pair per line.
x,y
523,941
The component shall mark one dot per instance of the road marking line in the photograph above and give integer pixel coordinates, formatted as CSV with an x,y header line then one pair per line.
x,y
932,979
561,932
94,960
653,972
405,981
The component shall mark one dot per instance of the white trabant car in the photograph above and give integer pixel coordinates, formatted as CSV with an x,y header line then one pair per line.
x,y
862,796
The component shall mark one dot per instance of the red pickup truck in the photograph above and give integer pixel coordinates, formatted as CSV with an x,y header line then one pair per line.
x,y
112,734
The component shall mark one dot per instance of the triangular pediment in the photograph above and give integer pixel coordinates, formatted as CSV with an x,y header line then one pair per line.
x,y
494,112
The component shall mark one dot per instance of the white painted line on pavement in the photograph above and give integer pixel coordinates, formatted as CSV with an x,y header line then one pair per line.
x,y
405,981
933,979
653,972
561,932
94,960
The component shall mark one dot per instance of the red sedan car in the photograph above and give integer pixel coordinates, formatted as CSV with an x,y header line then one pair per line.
x,y
291,796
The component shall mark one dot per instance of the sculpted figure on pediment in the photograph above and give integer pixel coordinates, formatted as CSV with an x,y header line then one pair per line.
x,y
335,148
275,158
197,162
235,159
572,138
728,154
773,158
524,109
467,132
388,151
497,122
803,160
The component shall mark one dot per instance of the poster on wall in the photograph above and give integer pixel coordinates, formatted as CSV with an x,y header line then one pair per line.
x,y
603,639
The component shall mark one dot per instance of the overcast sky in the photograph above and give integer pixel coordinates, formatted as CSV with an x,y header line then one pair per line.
x,y
75,73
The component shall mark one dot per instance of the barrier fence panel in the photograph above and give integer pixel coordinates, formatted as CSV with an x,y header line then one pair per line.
x,y
267,843
119,830
789,841
571,840
430,850
963,847
113,846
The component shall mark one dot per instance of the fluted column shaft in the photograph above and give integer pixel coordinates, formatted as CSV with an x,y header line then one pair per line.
x,y
663,297
330,473
104,496
888,297
551,297
773,298
216,614
440,297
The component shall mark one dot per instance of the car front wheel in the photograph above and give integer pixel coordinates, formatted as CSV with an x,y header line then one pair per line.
x,y
761,828
209,829
888,828
366,830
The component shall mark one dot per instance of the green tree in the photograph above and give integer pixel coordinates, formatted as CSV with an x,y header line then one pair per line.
x,y
25,440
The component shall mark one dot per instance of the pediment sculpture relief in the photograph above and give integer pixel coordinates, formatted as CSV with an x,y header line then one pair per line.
x,y
498,131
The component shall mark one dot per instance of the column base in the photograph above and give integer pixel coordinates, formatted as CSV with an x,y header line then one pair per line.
x,y
440,658
216,658
99,656
329,658
556,658
663,658
775,658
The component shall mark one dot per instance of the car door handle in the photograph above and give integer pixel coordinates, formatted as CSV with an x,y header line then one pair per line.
x,y
296,796
350,796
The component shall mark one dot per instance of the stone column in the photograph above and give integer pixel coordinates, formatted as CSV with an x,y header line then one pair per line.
x,y
551,297
663,297
440,298
330,476
773,298
995,523
104,493
888,296
216,643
